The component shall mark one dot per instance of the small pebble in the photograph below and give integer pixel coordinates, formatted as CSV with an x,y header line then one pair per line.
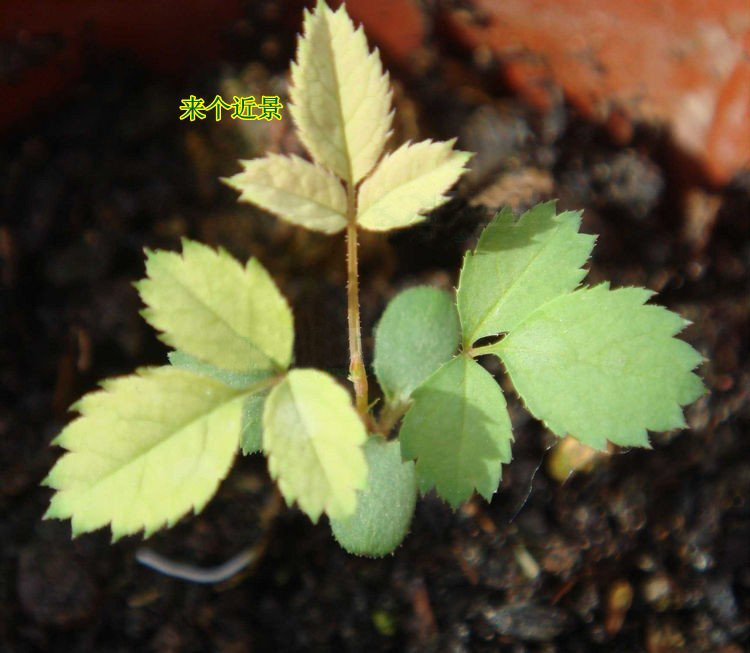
x,y
619,600
657,590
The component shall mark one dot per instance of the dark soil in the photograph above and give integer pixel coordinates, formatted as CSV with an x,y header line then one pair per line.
x,y
650,550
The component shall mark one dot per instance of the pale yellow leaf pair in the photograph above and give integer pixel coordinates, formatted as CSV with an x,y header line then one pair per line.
x,y
150,447
341,105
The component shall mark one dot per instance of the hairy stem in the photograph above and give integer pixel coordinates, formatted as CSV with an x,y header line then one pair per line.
x,y
357,372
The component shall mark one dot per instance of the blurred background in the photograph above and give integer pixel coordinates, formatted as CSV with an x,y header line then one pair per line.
x,y
638,113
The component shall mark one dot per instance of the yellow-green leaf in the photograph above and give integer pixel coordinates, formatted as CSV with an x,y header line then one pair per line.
x,y
340,96
409,182
599,364
313,438
293,189
210,306
146,449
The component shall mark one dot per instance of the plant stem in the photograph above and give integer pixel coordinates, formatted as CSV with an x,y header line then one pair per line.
x,y
357,372
390,415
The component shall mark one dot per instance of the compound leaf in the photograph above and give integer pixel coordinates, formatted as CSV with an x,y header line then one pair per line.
x,y
236,380
216,310
419,331
146,449
409,182
385,509
295,190
518,266
340,96
459,431
599,364
313,438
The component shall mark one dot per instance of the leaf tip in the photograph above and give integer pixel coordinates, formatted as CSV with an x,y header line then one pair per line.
x,y
231,182
51,512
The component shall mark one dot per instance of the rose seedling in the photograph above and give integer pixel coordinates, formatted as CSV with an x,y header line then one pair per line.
x,y
596,363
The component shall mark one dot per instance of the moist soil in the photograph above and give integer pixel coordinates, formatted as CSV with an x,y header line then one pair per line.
x,y
645,550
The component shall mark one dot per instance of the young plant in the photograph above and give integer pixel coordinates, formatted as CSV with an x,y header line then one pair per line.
x,y
591,362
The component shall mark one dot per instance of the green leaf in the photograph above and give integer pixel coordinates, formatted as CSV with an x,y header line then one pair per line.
x,y
341,101
313,438
251,434
459,431
600,365
146,449
419,331
385,509
409,182
295,190
216,310
518,266
236,380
